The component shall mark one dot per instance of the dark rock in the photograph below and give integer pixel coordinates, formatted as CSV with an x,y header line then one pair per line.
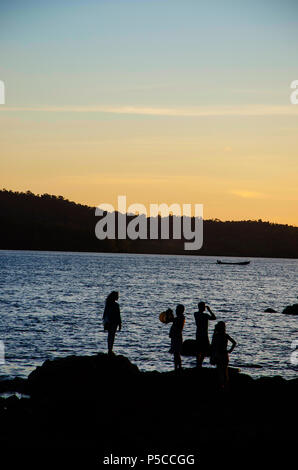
x,y
291,310
106,405
249,366
276,380
15,385
189,347
270,310
80,375
12,401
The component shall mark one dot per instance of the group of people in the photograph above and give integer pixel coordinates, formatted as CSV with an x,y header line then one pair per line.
x,y
218,350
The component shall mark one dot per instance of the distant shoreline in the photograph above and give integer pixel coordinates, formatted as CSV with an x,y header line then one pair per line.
x,y
146,253
51,223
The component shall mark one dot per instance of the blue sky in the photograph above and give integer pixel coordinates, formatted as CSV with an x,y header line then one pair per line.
x,y
164,52
160,100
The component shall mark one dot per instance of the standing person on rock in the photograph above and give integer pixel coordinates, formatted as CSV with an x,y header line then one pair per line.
x,y
176,336
203,345
112,318
220,353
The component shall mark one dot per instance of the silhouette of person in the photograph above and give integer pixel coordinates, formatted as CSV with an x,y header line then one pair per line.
x,y
112,318
220,352
176,336
202,318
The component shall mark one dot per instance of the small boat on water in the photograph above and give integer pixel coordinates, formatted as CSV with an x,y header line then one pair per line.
x,y
239,263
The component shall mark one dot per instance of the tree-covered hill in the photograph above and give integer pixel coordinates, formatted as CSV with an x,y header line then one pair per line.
x,y
47,222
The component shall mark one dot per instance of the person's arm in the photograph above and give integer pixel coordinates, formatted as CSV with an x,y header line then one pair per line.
x,y
233,343
119,321
211,316
104,314
105,317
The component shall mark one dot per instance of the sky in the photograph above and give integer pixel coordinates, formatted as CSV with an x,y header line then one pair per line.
x,y
163,101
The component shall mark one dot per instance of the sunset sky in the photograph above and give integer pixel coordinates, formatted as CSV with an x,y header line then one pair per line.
x,y
160,100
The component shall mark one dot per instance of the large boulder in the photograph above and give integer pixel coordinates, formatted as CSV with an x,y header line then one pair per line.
x,y
291,310
80,375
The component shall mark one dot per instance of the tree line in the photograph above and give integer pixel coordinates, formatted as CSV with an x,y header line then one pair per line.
x,y
48,222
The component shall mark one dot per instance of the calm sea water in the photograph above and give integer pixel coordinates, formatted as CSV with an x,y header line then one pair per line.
x,y
51,305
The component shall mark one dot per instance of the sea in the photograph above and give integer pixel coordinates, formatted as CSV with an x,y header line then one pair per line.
x,y
51,306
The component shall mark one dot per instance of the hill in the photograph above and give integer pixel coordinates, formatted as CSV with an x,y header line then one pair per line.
x,y
48,222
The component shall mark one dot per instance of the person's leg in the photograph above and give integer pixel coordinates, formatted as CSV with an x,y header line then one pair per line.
x,y
177,360
111,338
198,355
200,359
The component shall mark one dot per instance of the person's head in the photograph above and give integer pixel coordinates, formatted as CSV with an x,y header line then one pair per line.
x,y
220,327
179,309
112,297
201,306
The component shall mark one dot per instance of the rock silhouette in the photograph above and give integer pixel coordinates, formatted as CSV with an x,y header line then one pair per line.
x,y
189,347
291,310
87,407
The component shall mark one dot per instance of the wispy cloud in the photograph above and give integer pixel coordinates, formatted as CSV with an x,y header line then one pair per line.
x,y
249,194
200,111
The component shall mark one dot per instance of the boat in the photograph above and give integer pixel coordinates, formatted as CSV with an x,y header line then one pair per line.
x,y
239,263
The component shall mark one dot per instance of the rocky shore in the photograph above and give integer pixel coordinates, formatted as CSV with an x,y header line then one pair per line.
x,y
88,407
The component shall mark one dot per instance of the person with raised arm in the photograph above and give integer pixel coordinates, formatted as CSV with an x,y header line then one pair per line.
x,y
202,320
